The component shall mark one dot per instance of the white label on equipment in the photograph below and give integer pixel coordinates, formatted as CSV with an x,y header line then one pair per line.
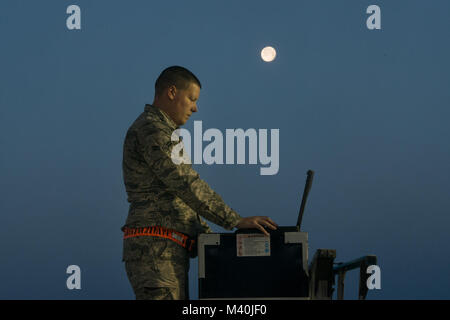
x,y
252,245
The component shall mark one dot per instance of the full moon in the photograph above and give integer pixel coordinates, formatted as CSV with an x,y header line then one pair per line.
x,y
268,54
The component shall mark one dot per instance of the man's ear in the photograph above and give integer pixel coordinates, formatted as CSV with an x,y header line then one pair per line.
x,y
171,92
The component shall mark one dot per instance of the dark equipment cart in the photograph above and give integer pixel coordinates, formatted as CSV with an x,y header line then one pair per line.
x,y
248,265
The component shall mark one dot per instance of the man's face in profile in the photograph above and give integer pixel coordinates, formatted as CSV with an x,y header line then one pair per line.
x,y
184,103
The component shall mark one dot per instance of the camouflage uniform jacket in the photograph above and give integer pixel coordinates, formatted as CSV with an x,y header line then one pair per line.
x,y
161,192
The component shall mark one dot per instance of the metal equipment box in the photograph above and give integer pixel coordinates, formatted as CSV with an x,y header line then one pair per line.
x,y
247,264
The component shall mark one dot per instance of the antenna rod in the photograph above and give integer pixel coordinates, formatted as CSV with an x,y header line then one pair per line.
x,y
308,184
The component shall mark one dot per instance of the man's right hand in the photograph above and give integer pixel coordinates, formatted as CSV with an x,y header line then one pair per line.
x,y
257,222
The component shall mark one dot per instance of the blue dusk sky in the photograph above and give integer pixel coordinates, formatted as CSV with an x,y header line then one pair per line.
x,y
367,110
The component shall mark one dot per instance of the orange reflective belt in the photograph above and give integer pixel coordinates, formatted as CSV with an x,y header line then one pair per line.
x,y
161,232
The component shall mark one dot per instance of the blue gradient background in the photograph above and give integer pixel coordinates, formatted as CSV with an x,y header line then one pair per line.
x,y
368,111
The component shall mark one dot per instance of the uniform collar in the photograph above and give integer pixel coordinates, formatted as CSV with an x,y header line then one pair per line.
x,y
162,115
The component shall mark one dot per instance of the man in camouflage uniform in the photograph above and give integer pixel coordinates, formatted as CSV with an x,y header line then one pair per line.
x,y
162,193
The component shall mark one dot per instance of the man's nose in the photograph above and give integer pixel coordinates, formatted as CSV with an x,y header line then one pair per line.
x,y
195,109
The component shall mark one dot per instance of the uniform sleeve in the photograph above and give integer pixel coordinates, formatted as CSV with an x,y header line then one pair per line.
x,y
183,180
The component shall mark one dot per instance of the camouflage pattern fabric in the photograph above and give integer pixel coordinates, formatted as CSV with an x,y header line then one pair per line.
x,y
161,272
162,193
160,294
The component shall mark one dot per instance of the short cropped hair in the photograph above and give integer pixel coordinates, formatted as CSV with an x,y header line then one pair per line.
x,y
178,76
